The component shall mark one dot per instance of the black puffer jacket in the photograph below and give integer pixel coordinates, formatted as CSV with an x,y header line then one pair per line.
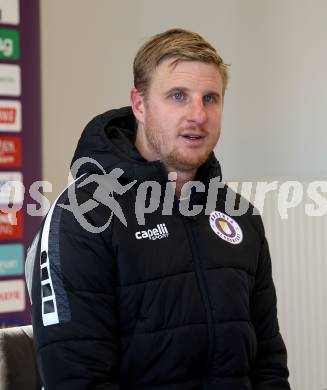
x,y
180,303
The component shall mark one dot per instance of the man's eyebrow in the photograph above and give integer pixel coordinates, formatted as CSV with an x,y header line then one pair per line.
x,y
185,89
216,93
177,88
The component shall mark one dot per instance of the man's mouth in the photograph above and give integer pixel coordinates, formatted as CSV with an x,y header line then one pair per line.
x,y
193,137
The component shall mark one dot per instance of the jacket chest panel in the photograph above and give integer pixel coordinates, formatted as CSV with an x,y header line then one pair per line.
x,y
163,247
153,251
217,250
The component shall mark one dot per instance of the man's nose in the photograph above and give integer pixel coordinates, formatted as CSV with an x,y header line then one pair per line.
x,y
198,112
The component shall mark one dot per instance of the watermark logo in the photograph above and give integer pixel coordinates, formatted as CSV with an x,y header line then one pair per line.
x,y
107,186
226,227
151,197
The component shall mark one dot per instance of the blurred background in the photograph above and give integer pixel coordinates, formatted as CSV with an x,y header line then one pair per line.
x,y
274,126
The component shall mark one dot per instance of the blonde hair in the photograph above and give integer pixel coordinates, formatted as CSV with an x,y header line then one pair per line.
x,y
177,44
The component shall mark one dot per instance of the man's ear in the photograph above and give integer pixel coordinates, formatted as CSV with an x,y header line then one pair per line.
x,y
137,103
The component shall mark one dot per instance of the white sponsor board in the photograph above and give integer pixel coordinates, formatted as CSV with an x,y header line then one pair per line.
x,y
10,115
12,296
9,11
10,82
11,188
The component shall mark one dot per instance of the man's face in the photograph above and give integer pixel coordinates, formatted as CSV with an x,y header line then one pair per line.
x,y
181,114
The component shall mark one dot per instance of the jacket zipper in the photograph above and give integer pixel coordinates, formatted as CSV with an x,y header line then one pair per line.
x,y
199,271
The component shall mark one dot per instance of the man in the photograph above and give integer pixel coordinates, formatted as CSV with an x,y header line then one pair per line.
x,y
139,281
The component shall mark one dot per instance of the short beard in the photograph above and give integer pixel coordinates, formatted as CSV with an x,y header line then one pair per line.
x,y
183,164
173,161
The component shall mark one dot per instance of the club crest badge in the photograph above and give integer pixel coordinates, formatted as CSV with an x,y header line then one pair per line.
x,y
226,227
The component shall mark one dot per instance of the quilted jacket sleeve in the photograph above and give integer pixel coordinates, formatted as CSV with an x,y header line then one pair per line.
x,y
74,307
270,371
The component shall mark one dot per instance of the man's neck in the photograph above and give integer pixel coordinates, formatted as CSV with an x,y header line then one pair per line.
x,y
182,178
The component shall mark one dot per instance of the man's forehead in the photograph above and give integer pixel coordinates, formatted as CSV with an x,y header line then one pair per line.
x,y
170,71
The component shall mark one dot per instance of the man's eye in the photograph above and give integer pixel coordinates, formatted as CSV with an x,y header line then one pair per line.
x,y
209,99
178,96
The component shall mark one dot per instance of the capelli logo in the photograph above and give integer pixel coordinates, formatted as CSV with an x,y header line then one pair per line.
x,y
156,233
